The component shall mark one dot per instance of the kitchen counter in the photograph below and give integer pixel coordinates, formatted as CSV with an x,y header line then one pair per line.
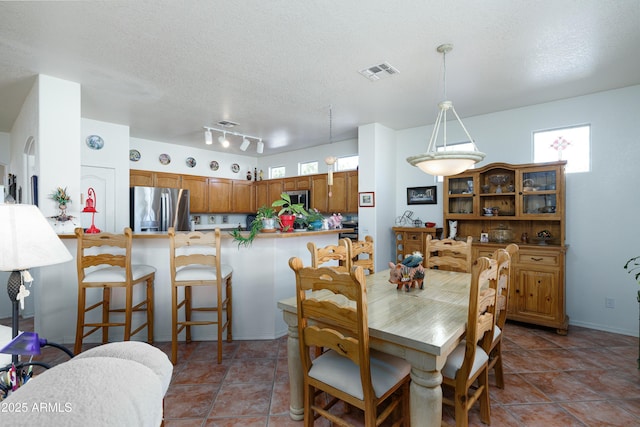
x,y
261,277
226,235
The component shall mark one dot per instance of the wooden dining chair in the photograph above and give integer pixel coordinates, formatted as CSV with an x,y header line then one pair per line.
x,y
466,369
329,253
195,261
362,253
104,262
349,371
448,254
504,278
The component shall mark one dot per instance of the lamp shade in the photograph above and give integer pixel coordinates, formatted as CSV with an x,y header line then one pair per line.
x,y
28,240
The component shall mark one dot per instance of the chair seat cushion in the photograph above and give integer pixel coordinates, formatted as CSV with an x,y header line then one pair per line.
x,y
140,352
455,359
341,373
117,274
201,272
496,334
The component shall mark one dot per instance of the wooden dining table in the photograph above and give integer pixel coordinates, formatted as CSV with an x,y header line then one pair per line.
x,y
421,326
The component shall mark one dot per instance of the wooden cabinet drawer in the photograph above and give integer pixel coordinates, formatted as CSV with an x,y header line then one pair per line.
x,y
537,258
413,237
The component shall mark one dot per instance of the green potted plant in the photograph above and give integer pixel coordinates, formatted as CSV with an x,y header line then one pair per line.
x,y
288,211
264,221
315,219
633,267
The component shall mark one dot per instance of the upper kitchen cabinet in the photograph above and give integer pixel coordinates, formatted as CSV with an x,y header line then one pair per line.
x,y
140,178
219,195
198,192
337,201
352,191
319,193
243,197
267,191
168,180
296,183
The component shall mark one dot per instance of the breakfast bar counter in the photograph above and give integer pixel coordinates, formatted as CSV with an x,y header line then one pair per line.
x,y
261,277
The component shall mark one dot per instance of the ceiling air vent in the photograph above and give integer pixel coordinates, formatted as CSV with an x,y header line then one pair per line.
x,y
226,124
380,71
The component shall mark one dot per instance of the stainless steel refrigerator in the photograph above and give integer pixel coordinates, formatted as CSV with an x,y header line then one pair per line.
x,y
157,209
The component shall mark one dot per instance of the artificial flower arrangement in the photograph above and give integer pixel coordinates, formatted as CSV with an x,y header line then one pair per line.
x,y
61,196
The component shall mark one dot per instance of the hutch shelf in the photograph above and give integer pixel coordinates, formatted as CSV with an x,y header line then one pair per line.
x,y
504,203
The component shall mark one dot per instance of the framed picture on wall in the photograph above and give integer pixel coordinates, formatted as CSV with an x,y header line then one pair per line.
x,y
422,195
367,199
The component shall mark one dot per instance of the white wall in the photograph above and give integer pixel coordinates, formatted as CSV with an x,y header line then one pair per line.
x,y
290,159
602,205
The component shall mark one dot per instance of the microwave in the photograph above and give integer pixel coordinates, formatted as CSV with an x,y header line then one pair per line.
x,y
300,196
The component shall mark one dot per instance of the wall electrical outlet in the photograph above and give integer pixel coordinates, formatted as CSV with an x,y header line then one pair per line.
x,y
225,219
610,303
212,219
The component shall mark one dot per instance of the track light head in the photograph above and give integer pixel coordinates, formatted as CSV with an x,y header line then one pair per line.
x,y
222,139
245,144
208,138
260,147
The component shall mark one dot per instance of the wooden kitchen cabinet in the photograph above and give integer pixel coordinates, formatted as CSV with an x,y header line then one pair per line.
x,y
352,191
337,202
296,183
198,192
243,197
410,240
319,193
512,204
141,178
219,194
262,194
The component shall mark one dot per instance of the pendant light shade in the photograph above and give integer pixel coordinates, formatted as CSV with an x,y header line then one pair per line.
x,y
447,161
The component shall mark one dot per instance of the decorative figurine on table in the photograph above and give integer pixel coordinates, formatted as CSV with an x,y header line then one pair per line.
x,y
335,221
409,273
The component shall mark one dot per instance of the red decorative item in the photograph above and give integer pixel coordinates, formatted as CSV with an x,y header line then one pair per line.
x,y
90,207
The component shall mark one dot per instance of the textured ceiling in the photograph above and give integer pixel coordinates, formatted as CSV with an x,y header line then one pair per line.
x,y
168,68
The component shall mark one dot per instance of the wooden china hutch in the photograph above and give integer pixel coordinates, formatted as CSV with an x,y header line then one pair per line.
x,y
525,204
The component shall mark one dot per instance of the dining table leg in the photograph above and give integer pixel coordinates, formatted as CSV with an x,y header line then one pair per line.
x,y
296,380
426,398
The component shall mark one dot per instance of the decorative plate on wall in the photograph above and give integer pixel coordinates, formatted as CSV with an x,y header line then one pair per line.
x,y
235,168
165,159
214,165
191,162
95,142
134,155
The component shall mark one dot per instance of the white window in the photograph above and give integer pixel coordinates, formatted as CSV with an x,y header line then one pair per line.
x,y
347,163
307,168
277,172
571,144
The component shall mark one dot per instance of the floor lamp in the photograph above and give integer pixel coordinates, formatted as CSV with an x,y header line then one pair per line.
x,y
28,241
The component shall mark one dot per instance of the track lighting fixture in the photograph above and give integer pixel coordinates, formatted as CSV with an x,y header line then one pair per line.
x,y
245,144
222,139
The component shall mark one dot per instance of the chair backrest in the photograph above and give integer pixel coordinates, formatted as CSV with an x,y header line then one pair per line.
x,y
503,283
194,248
482,300
339,252
363,247
339,323
448,254
103,249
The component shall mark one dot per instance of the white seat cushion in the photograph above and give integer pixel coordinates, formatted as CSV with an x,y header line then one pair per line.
x,y
496,334
343,374
117,274
455,359
201,272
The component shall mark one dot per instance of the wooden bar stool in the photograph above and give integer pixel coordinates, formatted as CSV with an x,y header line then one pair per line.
x,y
323,255
196,261
366,248
104,261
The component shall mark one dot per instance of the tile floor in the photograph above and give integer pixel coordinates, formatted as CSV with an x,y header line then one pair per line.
x,y
587,378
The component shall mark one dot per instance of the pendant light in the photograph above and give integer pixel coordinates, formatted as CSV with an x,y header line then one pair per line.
x,y
446,162
330,160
